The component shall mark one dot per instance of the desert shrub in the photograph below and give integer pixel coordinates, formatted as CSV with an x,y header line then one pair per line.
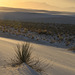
x,y
70,39
72,49
61,38
3,30
23,55
25,30
52,41
66,30
32,37
49,32
68,43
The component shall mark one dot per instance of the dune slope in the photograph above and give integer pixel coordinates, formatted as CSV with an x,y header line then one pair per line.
x,y
61,62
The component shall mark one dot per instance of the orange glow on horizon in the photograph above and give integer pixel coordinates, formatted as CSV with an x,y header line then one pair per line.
x,y
57,5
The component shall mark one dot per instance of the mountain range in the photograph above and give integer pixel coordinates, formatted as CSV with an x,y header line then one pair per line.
x,y
33,15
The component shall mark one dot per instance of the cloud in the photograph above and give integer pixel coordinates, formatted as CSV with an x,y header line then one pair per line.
x,y
70,1
63,5
37,5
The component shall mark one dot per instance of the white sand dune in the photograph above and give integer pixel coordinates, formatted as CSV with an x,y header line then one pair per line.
x,y
29,15
61,62
6,53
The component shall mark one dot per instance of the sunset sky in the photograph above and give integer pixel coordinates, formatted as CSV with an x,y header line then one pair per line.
x,y
39,4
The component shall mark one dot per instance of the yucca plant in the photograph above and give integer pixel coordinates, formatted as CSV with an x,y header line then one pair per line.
x,y
23,53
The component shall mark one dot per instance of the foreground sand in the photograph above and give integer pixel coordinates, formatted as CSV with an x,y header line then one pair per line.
x,y
61,62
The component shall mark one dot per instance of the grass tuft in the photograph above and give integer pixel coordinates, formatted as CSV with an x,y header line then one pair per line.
x,y
23,55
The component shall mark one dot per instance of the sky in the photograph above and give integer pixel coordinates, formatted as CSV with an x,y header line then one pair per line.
x,y
40,4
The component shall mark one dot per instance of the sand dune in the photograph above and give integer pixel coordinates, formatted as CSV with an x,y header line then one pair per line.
x,y
61,62
29,15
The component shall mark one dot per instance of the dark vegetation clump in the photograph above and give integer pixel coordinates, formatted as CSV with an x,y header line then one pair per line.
x,y
64,32
72,49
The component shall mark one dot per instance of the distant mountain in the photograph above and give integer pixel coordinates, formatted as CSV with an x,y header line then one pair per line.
x,y
36,15
37,5
8,9
31,5
43,6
